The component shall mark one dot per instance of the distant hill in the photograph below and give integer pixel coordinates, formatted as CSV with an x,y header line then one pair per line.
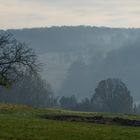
x,y
104,52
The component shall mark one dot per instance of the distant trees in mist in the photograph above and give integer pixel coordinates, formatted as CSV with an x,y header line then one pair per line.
x,y
30,90
111,95
68,102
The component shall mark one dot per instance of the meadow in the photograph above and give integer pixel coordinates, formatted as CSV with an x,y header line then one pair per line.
x,y
19,122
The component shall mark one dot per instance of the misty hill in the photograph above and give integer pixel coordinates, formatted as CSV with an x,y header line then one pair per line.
x,y
66,39
76,58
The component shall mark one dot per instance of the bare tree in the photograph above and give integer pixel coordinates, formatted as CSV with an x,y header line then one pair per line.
x,y
16,58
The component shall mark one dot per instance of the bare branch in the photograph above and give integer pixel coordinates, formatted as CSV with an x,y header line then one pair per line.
x,y
16,59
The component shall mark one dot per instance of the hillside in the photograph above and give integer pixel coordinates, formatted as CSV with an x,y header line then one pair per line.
x,y
24,122
103,53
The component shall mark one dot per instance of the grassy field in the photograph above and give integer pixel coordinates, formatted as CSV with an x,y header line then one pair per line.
x,y
26,123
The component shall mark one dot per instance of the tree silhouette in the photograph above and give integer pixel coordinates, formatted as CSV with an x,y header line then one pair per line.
x,y
112,95
16,58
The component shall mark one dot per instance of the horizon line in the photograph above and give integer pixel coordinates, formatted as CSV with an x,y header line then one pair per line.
x,y
60,26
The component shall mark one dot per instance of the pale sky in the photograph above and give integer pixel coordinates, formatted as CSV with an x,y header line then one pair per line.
x,y
46,13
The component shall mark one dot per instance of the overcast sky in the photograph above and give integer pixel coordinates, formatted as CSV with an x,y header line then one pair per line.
x,y
43,13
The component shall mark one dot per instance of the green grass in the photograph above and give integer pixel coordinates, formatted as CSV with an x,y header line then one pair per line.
x,y
24,123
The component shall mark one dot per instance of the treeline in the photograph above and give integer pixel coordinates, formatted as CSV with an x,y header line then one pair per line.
x,y
71,103
111,95
29,90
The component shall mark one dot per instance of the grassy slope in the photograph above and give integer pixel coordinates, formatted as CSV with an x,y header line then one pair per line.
x,y
23,123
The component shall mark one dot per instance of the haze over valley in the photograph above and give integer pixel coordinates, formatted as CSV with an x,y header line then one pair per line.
x,y
76,58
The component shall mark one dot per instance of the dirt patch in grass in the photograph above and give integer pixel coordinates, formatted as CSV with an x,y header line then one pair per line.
x,y
95,119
